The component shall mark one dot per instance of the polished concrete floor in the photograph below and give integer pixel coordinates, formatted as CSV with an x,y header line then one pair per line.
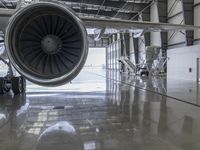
x,y
103,111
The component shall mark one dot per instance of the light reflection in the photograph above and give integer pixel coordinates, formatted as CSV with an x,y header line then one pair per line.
x,y
90,145
35,131
41,95
97,130
2,119
2,116
84,127
23,109
43,117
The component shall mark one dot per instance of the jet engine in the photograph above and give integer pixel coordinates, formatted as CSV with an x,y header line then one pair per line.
x,y
46,43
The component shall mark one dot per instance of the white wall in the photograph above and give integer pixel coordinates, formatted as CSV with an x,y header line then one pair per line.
x,y
180,60
196,21
175,7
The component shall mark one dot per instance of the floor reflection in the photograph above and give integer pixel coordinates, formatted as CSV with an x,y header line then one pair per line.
x,y
183,90
14,110
121,118
160,116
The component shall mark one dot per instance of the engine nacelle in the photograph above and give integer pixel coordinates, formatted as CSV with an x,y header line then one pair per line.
x,y
46,43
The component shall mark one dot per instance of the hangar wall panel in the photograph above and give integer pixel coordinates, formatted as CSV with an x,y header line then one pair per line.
x,y
175,16
180,60
196,22
174,7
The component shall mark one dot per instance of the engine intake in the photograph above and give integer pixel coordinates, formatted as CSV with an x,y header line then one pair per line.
x,y
46,43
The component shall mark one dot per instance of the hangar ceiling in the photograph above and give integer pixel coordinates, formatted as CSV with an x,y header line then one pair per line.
x,y
124,9
8,4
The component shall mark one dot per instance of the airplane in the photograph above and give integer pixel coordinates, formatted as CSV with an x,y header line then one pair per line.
x,y
46,42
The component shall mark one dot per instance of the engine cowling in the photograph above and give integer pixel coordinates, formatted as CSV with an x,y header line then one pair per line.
x,y
46,43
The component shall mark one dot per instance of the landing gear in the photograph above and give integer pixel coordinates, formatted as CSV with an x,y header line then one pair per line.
x,y
11,82
16,85
2,84
144,73
23,83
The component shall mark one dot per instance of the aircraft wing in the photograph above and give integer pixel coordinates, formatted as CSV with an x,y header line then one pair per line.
x,y
128,25
113,25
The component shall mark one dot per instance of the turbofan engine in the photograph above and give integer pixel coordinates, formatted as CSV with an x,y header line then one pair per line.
x,y
46,43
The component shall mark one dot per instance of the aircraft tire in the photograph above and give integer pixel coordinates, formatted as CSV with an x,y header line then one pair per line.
x,y
16,85
23,84
2,84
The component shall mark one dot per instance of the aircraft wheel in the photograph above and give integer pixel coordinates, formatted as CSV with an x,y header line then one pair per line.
x,y
2,85
16,85
23,84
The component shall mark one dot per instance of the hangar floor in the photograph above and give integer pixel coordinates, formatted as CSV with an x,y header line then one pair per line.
x,y
98,113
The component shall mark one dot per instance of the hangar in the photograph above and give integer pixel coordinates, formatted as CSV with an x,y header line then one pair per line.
x,y
99,74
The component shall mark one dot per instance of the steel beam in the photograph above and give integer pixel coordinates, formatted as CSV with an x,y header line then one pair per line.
x,y
101,43
122,15
196,5
117,4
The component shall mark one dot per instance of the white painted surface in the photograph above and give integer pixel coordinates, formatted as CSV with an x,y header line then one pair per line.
x,y
180,60
154,13
132,50
141,45
175,7
196,21
155,36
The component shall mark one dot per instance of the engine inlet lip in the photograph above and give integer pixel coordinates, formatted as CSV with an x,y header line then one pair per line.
x,y
60,80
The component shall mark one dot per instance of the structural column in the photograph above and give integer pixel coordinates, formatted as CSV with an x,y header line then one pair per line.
x,y
136,49
188,11
132,49
144,40
176,16
162,9
124,48
196,21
